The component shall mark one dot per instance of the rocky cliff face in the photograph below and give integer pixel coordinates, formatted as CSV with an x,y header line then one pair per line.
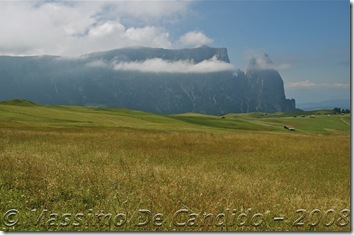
x,y
267,87
92,80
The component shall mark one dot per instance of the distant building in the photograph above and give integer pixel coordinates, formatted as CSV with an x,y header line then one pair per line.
x,y
290,128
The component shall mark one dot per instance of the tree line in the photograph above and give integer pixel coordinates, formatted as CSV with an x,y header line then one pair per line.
x,y
339,110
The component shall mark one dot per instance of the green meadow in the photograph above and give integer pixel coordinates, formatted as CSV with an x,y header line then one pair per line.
x,y
71,168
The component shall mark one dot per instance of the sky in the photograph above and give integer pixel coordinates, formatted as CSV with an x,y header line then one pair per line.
x,y
307,41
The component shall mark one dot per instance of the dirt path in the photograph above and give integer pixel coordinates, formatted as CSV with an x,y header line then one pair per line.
x,y
345,121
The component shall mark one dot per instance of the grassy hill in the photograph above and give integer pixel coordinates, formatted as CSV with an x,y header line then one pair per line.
x,y
22,113
68,168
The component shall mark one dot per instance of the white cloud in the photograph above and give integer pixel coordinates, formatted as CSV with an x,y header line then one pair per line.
x,y
106,28
148,11
312,85
158,65
195,39
79,27
156,37
261,63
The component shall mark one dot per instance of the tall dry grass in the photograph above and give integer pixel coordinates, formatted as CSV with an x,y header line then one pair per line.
x,y
121,171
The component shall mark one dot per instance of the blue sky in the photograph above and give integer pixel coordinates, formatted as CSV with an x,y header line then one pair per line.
x,y
310,38
308,41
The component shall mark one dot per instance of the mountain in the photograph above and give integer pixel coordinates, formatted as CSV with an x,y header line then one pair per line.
x,y
117,78
267,87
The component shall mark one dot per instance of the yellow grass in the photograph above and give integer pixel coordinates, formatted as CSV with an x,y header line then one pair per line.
x,y
120,171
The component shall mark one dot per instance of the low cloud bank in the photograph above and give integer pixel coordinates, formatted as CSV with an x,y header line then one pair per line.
x,y
158,65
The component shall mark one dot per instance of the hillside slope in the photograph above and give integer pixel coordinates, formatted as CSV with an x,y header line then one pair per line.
x,y
25,114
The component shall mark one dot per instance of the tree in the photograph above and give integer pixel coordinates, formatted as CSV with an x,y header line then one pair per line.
x,y
337,110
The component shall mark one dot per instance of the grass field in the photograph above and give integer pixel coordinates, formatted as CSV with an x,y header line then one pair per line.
x,y
65,168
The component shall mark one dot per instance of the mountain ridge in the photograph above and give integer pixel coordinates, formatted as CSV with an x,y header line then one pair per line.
x,y
142,53
61,81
